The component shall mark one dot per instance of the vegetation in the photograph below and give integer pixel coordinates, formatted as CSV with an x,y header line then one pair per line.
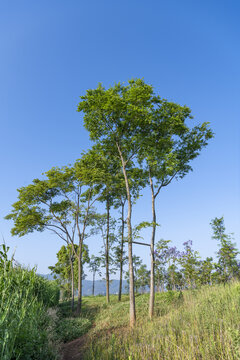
x,y
24,321
66,269
189,324
135,123
141,140
193,324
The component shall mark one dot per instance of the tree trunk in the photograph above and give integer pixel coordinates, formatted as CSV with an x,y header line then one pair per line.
x,y
72,277
152,280
93,283
121,256
107,254
81,238
130,259
72,280
79,303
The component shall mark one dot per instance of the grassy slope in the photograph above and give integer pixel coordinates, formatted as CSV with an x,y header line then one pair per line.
x,y
200,324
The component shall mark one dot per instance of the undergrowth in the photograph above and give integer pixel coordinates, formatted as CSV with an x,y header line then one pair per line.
x,y
193,325
24,321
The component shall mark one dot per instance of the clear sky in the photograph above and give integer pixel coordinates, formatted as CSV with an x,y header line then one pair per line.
x,y
52,51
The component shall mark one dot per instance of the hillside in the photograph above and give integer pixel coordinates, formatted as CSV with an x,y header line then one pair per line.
x,y
193,324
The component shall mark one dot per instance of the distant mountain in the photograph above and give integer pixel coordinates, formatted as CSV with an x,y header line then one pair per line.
x,y
99,287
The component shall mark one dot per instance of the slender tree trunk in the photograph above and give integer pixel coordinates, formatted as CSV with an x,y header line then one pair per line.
x,y
107,254
93,283
130,255
79,303
121,256
81,238
152,280
72,280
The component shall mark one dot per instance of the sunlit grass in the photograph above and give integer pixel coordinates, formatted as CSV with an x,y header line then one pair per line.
x,y
199,324
24,322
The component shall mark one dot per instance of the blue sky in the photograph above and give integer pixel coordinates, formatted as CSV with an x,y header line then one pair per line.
x,y
52,51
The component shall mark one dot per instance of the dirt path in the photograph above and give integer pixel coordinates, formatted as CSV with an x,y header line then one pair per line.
x,y
74,350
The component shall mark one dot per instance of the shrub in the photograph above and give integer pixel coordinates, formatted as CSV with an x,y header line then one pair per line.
x,y
71,328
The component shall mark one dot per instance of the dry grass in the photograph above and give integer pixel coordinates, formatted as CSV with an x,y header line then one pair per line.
x,y
200,324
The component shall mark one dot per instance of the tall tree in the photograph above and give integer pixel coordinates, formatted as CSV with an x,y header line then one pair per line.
x,y
166,152
138,124
61,203
117,118
37,210
107,166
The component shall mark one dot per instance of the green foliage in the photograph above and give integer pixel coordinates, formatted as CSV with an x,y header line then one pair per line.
x,y
62,268
94,264
205,274
142,276
189,262
68,329
117,111
24,322
101,226
228,266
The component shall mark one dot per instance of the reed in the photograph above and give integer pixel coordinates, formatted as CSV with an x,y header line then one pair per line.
x,y
24,321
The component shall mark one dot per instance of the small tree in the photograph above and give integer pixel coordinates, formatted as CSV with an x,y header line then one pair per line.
x,y
227,266
189,262
119,259
205,274
142,277
66,268
94,265
106,225
161,259
174,276
137,262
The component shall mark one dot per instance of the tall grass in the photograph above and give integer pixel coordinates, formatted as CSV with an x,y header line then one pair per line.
x,y
24,322
200,324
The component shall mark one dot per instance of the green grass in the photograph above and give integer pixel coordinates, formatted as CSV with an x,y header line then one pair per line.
x,y
199,324
24,321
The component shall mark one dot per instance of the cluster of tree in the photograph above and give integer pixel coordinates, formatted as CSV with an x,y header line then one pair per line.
x,y
177,270
174,269
141,140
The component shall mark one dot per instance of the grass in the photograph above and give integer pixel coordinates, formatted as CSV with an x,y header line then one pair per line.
x,y
193,325
24,321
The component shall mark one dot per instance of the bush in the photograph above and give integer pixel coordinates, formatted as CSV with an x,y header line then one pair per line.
x,y
71,328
